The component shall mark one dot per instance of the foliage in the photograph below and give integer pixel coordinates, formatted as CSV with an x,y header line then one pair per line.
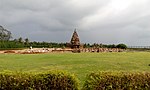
x,y
26,41
117,81
14,44
4,45
122,46
20,40
5,35
95,45
43,81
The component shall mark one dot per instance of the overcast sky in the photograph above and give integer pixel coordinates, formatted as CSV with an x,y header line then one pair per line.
x,y
97,21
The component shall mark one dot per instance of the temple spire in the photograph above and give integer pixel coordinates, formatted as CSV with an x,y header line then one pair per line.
x,y
75,42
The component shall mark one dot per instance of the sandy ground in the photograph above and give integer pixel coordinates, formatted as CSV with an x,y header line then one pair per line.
x,y
26,51
34,50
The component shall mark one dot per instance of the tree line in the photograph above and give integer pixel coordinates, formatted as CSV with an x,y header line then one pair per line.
x,y
95,45
25,43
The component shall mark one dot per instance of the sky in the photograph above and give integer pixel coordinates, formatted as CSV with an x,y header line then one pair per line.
x,y
96,21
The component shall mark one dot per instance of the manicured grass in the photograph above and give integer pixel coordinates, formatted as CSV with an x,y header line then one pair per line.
x,y
80,64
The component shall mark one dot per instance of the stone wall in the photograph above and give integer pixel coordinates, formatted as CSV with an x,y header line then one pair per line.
x,y
101,50
62,50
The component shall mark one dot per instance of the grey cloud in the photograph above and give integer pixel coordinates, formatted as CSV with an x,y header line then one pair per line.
x,y
102,21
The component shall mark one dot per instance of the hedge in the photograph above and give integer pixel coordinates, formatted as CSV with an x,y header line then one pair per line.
x,y
59,80
117,81
41,81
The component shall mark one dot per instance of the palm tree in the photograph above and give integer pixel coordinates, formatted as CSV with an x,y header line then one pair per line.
x,y
26,41
4,34
20,40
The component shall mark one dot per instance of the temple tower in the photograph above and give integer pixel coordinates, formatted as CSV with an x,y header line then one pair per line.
x,y
75,42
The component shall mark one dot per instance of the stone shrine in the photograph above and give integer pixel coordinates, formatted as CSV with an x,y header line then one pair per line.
x,y
75,42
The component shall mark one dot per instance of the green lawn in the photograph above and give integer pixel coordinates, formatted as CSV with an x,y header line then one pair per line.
x,y
78,63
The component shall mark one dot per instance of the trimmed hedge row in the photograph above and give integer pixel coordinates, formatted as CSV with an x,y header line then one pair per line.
x,y
43,81
117,81
63,81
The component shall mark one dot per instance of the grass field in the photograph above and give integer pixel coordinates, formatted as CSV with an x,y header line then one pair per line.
x,y
80,64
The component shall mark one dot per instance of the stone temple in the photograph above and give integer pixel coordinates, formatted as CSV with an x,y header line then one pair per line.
x,y
75,42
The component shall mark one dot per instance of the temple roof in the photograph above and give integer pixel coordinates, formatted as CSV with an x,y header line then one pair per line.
x,y
75,38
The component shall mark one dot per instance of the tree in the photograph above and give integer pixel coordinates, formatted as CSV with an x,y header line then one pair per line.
x,y
5,35
26,41
15,40
20,40
122,46
86,45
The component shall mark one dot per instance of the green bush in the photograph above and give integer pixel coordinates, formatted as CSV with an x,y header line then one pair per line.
x,y
122,46
41,81
117,81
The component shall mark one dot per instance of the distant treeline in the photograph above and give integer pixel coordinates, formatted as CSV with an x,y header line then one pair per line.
x,y
95,45
25,43
20,44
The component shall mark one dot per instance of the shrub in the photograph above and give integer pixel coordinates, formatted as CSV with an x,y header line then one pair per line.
x,y
117,81
42,81
122,46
